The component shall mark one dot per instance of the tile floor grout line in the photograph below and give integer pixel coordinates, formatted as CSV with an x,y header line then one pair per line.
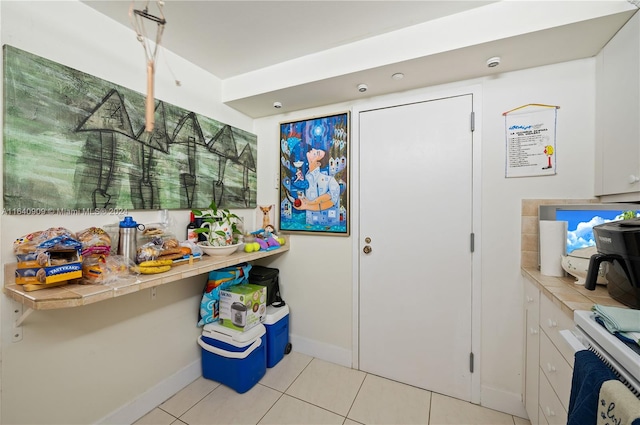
x,y
282,393
274,403
319,407
170,414
193,405
196,403
357,392
298,375
430,407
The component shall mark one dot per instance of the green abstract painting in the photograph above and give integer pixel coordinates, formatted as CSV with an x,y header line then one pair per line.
x,y
74,141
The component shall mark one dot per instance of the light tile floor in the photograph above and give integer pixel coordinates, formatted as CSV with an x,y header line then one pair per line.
x,y
305,390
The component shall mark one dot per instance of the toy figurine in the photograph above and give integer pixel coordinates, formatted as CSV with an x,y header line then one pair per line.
x,y
266,238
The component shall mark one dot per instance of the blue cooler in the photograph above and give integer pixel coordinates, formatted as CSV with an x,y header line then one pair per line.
x,y
233,358
277,324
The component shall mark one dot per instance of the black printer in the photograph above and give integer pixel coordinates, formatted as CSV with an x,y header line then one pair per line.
x,y
618,242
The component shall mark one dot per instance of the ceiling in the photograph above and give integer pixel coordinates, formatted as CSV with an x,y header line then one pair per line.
x,y
246,43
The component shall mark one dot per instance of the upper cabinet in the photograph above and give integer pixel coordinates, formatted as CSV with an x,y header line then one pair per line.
x,y
617,173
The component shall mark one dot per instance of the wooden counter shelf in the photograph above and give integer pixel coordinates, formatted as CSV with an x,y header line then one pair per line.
x,y
75,295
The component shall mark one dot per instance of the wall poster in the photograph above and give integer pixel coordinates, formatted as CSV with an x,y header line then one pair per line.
x,y
530,137
314,175
74,142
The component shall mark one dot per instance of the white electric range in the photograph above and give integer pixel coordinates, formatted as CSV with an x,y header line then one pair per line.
x,y
620,357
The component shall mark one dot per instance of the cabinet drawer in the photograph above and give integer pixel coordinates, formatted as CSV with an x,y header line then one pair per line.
x,y
556,369
551,407
532,300
552,321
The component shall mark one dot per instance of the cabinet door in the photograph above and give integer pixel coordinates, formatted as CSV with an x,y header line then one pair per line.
x,y
617,112
531,349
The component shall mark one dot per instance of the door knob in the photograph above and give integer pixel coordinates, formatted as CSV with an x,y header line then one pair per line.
x,y
366,249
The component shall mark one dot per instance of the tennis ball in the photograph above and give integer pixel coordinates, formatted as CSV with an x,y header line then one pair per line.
x,y
256,246
282,240
248,247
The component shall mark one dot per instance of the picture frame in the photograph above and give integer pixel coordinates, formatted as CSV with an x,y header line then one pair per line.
x,y
314,175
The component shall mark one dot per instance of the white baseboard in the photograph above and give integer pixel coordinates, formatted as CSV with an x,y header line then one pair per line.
x,y
503,401
155,396
320,350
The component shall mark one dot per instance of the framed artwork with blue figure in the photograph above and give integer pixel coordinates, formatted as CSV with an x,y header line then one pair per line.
x,y
314,175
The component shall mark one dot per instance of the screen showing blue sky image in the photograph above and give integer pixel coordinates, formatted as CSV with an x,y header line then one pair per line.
x,y
581,222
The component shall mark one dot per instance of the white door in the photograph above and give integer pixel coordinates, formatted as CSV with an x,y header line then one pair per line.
x,y
416,208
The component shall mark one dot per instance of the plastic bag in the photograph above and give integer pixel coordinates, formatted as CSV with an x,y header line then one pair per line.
x,y
30,242
152,232
95,241
106,270
219,280
196,251
149,251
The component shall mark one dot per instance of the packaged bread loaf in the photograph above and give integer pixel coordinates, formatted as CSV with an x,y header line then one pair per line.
x,y
95,242
105,270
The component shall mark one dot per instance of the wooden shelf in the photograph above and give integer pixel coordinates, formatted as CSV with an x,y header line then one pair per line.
x,y
75,295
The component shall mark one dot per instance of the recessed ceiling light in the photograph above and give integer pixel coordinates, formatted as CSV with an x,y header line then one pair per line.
x,y
493,62
398,76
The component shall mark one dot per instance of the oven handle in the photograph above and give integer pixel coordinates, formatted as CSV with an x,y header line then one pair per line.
x,y
573,340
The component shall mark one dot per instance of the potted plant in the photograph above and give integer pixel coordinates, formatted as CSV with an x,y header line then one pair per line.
x,y
219,225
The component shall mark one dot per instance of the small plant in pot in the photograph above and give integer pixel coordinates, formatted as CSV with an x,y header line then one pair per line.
x,y
219,225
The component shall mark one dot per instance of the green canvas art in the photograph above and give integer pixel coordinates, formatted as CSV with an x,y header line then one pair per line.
x,y
77,142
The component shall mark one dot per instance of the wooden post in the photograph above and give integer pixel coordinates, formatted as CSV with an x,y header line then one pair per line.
x,y
150,103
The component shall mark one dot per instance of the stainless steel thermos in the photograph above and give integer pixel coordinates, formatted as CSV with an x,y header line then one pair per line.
x,y
127,238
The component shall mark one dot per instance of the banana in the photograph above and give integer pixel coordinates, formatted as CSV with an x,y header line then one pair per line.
x,y
154,269
156,263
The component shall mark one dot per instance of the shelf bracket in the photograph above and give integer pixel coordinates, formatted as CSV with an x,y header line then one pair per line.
x,y
19,316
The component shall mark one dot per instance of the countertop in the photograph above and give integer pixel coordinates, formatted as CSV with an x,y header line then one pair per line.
x,y
75,295
563,292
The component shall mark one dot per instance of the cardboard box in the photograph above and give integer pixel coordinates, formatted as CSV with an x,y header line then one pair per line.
x,y
49,258
47,275
243,306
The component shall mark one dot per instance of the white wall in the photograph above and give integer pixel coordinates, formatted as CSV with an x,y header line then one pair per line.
x,y
320,291
81,365
572,87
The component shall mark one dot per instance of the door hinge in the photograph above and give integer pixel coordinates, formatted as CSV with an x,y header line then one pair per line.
x,y
473,242
473,121
471,362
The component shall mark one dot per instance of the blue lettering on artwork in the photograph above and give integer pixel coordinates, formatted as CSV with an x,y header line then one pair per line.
x,y
520,127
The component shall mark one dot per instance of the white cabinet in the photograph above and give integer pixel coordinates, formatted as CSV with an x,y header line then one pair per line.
x,y
617,153
548,367
531,349
557,371
552,409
